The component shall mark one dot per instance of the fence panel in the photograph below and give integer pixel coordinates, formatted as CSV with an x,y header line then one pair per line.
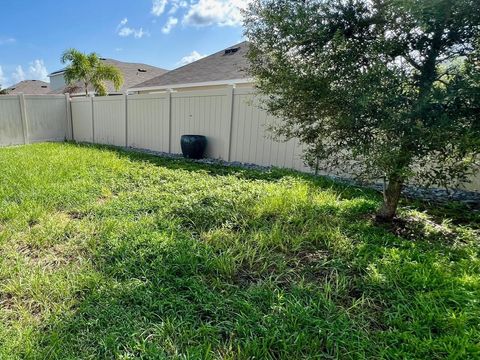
x,y
251,141
148,122
236,127
46,117
82,119
11,128
202,113
109,114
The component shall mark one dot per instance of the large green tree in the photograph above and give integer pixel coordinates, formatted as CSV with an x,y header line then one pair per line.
x,y
90,70
379,88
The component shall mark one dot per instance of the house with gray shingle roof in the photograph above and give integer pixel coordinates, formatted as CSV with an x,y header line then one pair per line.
x,y
223,68
133,73
29,87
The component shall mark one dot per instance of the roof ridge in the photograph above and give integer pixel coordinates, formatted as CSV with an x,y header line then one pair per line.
x,y
208,56
56,72
198,63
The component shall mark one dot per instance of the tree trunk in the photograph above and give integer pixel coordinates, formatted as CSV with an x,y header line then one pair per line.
x,y
391,197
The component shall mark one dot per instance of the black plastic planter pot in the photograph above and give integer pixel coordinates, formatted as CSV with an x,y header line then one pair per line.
x,y
193,146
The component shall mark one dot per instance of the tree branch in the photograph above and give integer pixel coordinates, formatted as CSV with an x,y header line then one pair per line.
x,y
412,62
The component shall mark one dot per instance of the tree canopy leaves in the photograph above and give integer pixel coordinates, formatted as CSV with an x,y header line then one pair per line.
x,y
380,88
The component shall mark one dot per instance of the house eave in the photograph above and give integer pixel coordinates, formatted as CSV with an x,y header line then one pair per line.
x,y
60,72
188,85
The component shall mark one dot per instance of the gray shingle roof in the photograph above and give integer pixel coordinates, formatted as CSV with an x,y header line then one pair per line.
x,y
29,87
133,73
216,67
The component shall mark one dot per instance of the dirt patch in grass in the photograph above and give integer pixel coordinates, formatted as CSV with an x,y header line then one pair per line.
x,y
32,223
17,308
51,257
76,215
307,265
6,301
30,251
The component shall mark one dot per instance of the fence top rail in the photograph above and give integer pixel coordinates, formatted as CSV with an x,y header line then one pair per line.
x,y
199,93
45,97
79,99
107,98
164,95
244,91
8,97
148,96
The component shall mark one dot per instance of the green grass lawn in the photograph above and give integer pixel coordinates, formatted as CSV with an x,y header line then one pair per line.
x,y
111,254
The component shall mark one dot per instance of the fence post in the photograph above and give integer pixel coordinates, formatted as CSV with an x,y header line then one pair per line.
x,y
23,115
93,120
169,109
69,120
230,97
125,99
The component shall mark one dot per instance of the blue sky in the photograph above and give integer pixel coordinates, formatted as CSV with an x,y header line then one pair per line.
x,y
164,33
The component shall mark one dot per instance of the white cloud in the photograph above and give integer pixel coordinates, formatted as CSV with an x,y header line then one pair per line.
x,y
177,4
122,23
136,33
38,71
158,7
193,56
19,74
3,79
215,12
203,12
126,31
171,22
6,40
173,10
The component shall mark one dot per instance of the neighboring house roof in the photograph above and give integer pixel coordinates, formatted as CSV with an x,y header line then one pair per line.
x,y
61,71
225,66
29,87
133,73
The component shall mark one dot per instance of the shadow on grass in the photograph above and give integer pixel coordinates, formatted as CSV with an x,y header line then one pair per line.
x,y
456,212
169,294
216,169
276,276
172,295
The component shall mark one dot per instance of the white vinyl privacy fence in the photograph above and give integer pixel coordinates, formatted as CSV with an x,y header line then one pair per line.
x,y
32,118
235,127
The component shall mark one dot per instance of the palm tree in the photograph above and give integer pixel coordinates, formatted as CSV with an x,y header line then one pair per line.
x,y
90,70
